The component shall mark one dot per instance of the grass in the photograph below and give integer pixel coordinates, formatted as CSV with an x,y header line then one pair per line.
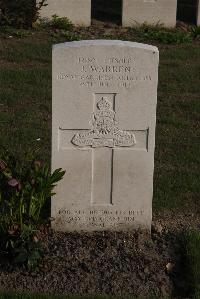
x,y
25,110
164,35
177,160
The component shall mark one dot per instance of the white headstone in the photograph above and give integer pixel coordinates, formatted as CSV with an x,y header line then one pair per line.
x,y
150,12
104,117
198,12
77,11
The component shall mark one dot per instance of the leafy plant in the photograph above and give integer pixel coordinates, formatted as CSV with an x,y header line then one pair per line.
x,y
168,37
161,34
24,246
61,23
63,35
195,31
26,186
20,13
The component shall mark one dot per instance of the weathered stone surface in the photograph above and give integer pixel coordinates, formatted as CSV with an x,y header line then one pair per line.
x,y
104,116
78,11
150,12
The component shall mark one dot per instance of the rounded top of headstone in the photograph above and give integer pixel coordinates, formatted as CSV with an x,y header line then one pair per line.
x,y
102,42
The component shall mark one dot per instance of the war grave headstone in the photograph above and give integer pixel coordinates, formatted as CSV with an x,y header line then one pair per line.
x,y
150,12
104,117
78,11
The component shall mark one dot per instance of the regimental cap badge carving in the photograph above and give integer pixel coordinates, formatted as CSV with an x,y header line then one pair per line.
x,y
104,104
105,131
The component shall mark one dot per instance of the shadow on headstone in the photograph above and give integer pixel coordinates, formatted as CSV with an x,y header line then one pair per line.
x,y
107,11
187,11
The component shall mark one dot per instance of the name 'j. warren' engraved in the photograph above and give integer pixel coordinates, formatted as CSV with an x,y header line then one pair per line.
x,y
105,131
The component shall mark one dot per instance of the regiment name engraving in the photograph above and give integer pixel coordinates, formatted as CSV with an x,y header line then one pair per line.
x,y
111,72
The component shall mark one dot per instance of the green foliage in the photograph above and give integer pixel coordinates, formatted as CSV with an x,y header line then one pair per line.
x,y
70,36
161,34
24,246
193,261
20,13
12,32
170,37
26,186
55,23
195,31
61,23
60,29
62,35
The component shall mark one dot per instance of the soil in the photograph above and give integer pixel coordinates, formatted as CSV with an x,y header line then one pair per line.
x,y
115,263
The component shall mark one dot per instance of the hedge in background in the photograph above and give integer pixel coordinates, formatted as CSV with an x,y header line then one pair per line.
x,y
20,13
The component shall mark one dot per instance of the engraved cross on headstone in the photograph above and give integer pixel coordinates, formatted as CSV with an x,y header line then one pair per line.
x,y
104,138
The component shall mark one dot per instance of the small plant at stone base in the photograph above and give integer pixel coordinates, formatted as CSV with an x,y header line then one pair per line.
x,y
161,34
170,37
60,27
26,186
195,31
64,36
61,23
24,246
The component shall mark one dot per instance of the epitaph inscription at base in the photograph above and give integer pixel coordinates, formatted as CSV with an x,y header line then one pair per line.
x,y
104,114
